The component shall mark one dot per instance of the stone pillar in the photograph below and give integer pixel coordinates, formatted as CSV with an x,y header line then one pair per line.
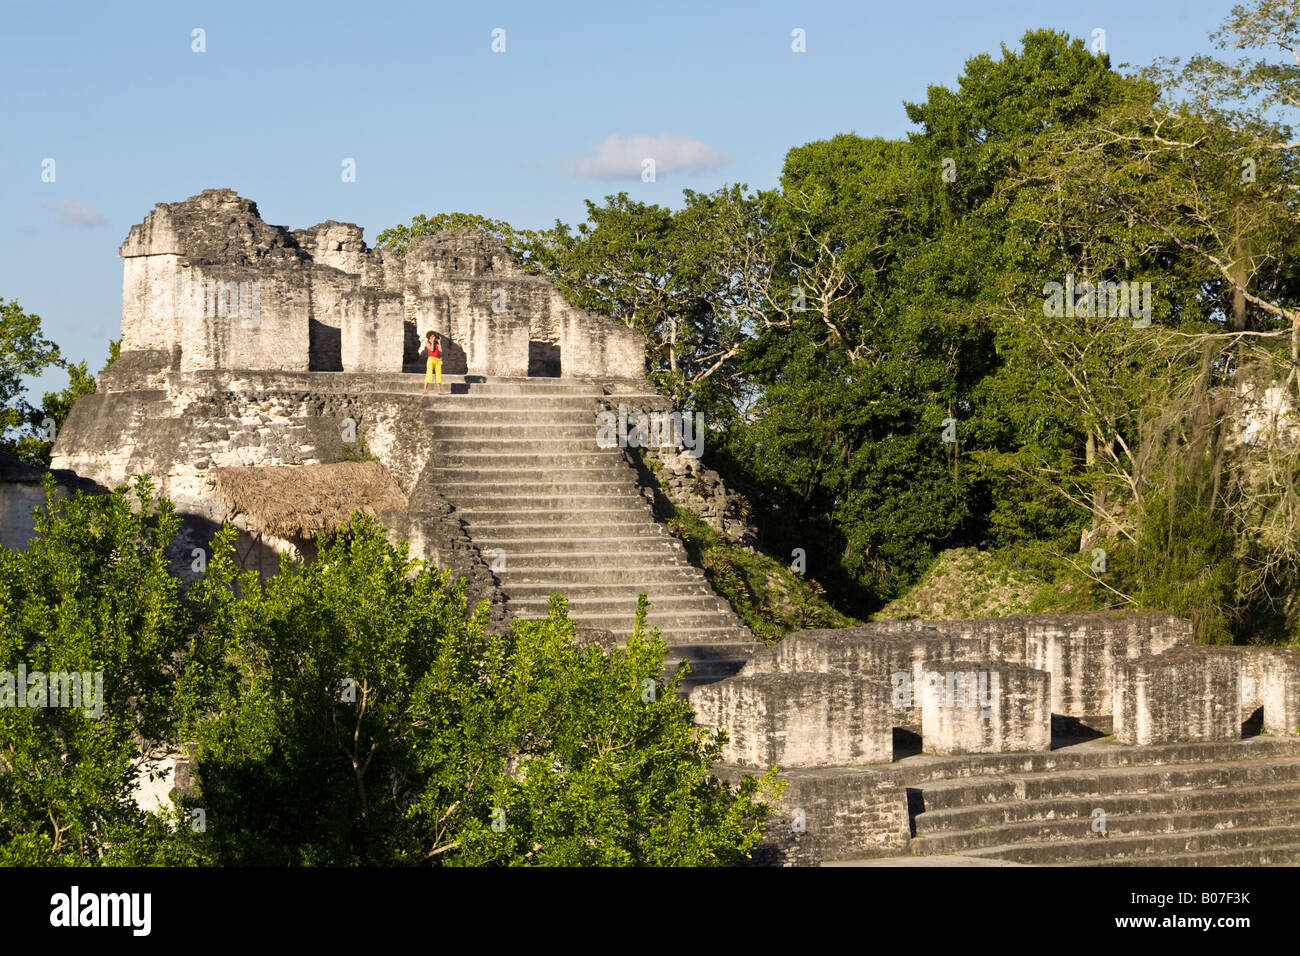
x,y
1190,693
1280,691
972,707
1080,652
798,720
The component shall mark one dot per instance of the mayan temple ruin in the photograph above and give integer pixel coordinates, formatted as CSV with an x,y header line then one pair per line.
x,y
270,379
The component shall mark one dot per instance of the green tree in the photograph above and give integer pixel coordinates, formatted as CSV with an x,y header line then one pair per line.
x,y
93,595
24,350
398,238
361,715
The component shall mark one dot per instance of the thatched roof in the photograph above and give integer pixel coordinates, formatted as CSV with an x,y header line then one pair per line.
x,y
297,501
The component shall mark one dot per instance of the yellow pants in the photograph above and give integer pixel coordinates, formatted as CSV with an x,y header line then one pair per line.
x,y
434,369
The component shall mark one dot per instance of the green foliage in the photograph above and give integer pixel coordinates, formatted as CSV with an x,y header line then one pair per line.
x,y
348,712
24,350
768,595
358,451
360,714
92,595
33,447
1183,561
967,583
399,237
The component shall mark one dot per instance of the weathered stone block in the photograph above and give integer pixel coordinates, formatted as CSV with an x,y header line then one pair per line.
x,y
1078,649
970,707
1190,693
1280,691
373,334
798,720
835,813
898,657
592,346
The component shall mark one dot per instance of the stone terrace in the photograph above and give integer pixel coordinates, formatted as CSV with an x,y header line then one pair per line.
x,y
1006,761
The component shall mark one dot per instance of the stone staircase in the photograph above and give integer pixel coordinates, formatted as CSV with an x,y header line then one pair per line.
x,y
1222,804
554,512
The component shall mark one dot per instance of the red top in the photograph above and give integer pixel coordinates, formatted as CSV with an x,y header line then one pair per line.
x,y
434,350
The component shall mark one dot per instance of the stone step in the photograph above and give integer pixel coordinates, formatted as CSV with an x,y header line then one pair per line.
x,y
523,463
533,385
608,545
509,461
539,403
614,593
1115,780
1117,826
468,492
536,603
631,513
1153,849
1287,854
1079,809
551,501
645,577
536,385
524,473
1099,754
596,530
561,449
646,560
736,634
518,475
411,379
470,415
513,431
666,621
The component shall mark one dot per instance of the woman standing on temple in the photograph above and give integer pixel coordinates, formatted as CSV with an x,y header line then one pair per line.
x,y
432,347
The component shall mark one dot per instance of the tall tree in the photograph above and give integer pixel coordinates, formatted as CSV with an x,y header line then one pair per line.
x,y
24,351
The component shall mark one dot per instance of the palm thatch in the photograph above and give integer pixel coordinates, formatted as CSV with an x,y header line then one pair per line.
x,y
297,501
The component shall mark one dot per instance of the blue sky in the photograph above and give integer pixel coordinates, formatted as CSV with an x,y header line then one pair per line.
x,y
436,121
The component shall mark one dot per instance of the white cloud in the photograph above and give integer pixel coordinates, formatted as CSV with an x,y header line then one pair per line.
x,y
619,158
79,214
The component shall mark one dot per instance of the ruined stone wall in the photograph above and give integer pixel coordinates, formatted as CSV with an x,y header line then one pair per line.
x,y
208,285
203,420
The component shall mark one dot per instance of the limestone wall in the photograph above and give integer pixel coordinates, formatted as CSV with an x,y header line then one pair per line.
x,y
204,420
207,279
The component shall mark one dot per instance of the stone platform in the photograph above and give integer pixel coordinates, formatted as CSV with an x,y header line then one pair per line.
x,y
1228,804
